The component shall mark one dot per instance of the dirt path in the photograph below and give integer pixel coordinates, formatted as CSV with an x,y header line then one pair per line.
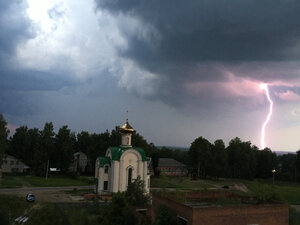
x,y
45,194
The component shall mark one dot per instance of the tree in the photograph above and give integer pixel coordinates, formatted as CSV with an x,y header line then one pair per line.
x,y
165,216
45,149
3,139
3,218
220,158
34,137
64,149
287,167
155,159
200,155
266,162
83,142
98,146
136,193
119,212
241,159
19,144
297,169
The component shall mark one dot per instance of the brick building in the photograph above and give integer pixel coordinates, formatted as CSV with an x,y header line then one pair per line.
x,y
171,167
194,211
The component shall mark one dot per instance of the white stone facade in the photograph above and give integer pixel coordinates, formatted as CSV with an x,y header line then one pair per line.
x,y
121,165
115,175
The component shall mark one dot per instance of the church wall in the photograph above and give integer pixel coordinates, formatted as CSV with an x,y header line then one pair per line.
x,y
130,159
100,180
115,177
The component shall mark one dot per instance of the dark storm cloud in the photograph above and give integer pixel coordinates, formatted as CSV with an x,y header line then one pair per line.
x,y
17,87
213,30
17,84
14,26
208,40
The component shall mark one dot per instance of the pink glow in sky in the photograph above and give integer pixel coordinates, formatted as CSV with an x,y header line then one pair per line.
x,y
264,86
288,96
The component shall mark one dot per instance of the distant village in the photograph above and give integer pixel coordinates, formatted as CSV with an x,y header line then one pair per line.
x,y
122,161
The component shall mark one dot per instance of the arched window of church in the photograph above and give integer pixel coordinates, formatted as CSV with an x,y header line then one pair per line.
x,y
129,175
106,169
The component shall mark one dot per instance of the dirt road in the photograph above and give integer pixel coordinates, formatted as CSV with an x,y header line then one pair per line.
x,y
45,194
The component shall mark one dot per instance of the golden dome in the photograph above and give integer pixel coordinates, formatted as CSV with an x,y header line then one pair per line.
x,y
126,128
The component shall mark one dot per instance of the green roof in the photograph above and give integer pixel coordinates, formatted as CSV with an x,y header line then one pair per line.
x,y
104,160
116,152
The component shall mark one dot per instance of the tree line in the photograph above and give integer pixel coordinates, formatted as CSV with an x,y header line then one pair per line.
x,y
239,159
37,147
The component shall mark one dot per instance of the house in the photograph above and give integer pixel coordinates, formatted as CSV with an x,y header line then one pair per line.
x,y
80,162
121,165
13,165
171,167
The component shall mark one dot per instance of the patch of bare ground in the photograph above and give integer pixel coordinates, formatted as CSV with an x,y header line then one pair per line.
x,y
44,195
240,187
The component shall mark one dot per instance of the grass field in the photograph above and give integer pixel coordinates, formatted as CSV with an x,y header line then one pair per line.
x,y
10,181
13,206
53,213
286,191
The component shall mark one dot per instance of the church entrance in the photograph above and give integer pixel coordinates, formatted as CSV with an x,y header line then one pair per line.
x,y
129,176
105,185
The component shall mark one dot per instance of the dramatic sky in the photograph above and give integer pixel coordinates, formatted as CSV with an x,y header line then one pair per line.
x,y
183,69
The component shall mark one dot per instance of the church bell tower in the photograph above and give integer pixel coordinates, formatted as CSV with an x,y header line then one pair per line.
x,y
126,131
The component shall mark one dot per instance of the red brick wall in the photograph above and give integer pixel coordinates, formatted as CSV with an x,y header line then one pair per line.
x,y
275,214
263,214
180,209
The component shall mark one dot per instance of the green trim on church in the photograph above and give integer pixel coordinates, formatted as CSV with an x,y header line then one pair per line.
x,y
116,152
103,161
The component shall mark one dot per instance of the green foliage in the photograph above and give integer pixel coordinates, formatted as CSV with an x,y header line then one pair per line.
x,y
12,207
64,149
266,161
220,159
136,193
3,218
179,182
119,212
46,215
241,159
35,181
3,138
294,217
44,150
200,154
165,215
264,193
155,159
223,200
287,170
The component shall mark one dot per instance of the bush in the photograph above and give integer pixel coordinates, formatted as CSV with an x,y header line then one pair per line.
x,y
136,193
264,193
165,216
3,218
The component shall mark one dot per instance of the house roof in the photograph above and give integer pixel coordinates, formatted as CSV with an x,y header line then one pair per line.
x,y
103,161
6,156
169,162
116,152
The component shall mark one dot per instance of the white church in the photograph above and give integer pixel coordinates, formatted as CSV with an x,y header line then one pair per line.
x,y
121,165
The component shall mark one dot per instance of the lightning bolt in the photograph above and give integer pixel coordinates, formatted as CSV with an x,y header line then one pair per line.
x,y
264,86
